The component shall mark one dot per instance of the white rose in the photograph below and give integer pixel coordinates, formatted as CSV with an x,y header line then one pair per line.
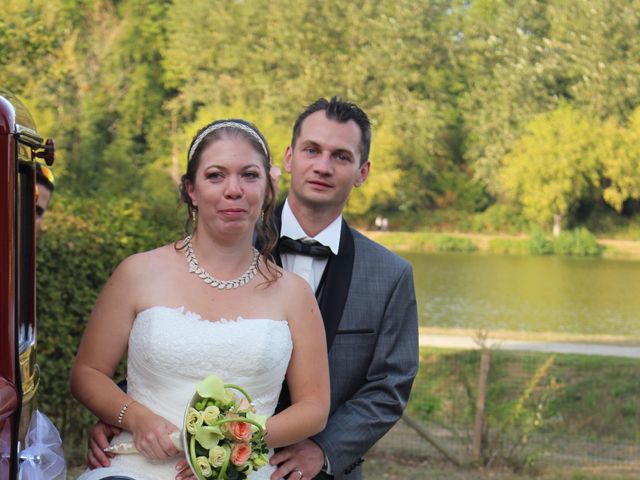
x,y
194,419
210,414
217,456
204,466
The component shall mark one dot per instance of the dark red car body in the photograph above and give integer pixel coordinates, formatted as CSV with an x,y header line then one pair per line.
x,y
20,145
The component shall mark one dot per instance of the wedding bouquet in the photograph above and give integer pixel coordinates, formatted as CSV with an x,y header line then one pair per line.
x,y
223,436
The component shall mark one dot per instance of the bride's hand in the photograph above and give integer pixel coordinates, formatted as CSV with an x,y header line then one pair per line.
x,y
184,471
151,433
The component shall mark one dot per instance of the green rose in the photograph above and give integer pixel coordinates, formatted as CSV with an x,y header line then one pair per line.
x,y
210,414
194,419
217,456
204,466
259,459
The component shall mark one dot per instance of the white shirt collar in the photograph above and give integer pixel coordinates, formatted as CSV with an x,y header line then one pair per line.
x,y
291,228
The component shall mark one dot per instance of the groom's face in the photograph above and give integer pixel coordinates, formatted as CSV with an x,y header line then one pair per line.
x,y
324,162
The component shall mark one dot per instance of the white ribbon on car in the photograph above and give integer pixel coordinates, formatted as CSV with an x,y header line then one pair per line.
x,y
42,458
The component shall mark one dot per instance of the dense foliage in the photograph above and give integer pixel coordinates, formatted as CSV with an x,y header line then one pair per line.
x,y
80,246
526,103
499,113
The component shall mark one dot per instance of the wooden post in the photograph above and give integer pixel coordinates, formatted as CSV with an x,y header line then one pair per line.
x,y
485,361
422,431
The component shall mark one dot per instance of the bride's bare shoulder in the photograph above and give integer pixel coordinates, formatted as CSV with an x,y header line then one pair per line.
x,y
282,278
149,262
292,283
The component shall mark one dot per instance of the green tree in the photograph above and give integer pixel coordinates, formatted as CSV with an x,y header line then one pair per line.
x,y
554,165
620,155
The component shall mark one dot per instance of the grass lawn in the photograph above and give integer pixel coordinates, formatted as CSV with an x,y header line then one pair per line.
x,y
571,415
389,467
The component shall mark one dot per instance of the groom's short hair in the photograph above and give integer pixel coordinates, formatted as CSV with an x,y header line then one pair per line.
x,y
341,111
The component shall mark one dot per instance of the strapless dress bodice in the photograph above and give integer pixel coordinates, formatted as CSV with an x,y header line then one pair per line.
x,y
172,349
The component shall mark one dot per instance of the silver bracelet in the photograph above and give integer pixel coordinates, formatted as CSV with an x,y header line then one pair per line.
x,y
123,410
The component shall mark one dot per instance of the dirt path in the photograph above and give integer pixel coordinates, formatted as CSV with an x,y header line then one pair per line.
x,y
625,248
613,348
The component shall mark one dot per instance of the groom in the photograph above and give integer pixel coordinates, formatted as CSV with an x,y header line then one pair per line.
x,y
366,296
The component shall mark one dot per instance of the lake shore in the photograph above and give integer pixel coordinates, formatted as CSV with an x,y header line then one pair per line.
x,y
461,339
551,337
427,242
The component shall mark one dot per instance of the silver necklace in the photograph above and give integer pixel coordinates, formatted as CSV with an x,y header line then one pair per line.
x,y
209,279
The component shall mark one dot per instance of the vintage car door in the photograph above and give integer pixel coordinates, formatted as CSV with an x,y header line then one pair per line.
x,y
20,146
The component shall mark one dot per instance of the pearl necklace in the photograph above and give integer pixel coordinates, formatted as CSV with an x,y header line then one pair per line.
x,y
209,279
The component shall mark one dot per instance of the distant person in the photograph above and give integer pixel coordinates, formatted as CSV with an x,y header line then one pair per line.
x,y
45,184
385,224
378,222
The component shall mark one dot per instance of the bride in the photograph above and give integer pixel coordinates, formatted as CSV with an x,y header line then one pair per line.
x,y
208,304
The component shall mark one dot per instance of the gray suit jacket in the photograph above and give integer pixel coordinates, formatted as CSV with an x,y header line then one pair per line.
x,y
368,304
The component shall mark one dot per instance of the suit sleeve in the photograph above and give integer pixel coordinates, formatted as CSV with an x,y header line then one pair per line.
x,y
360,422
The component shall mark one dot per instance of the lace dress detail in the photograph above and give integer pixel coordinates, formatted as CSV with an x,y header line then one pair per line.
x,y
172,349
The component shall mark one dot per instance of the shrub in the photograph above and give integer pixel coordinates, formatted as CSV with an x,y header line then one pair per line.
x,y
580,242
510,246
76,254
538,243
499,218
455,244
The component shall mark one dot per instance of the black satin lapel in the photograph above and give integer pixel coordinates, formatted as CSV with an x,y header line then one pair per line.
x,y
277,220
336,287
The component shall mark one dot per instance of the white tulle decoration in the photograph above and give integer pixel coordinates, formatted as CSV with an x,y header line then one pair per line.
x,y
43,456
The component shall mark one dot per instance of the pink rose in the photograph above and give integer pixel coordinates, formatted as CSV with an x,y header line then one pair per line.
x,y
240,454
244,405
238,431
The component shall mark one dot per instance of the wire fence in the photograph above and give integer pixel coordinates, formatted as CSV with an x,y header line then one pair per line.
x,y
522,410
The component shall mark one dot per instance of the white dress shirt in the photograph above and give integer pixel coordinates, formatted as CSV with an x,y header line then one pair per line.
x,y
309,268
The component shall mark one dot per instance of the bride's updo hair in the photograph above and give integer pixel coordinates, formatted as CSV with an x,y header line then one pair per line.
x,y
266,235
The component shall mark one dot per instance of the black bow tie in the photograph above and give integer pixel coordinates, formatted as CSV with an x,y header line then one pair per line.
x,y
309,248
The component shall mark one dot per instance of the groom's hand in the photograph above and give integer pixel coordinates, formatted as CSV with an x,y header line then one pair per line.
x,y
302,460
99,437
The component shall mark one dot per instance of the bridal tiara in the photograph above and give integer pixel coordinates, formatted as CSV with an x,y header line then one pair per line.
x,y
231,124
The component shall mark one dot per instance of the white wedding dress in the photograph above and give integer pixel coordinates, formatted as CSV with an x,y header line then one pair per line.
x,y
171,350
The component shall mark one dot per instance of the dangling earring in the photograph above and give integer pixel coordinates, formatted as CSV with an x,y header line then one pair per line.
x,y
262,216
194,215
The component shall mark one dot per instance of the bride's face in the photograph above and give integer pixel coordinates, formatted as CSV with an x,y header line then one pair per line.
x,y
229,187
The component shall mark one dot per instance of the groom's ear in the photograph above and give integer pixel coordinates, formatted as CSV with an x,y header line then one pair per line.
x,y
363,173
287,158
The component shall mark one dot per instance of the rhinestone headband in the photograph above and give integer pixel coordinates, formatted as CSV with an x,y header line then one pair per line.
x,y
217,126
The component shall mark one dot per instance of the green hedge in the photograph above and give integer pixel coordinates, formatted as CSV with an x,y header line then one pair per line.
x,y
580,243
448,243
76,254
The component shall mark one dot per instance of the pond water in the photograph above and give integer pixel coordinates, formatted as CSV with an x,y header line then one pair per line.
x,y
536,294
